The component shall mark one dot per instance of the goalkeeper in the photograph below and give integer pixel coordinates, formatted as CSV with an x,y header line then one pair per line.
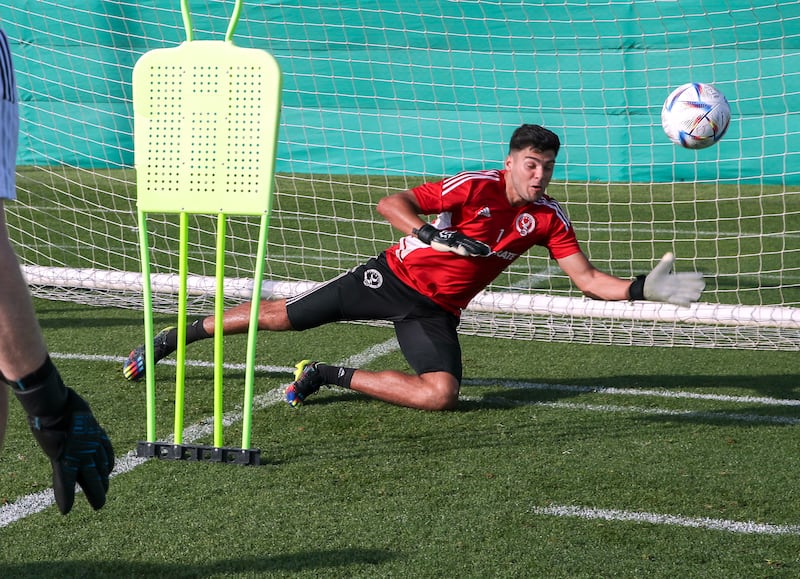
x,y
61,421
485,220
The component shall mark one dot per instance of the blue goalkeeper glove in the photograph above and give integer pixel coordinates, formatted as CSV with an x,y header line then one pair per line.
x,y
451,240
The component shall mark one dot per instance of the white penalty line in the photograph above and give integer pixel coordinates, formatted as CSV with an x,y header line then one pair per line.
x,y
723,416
742,527
171,362
36,502
355,361
391,345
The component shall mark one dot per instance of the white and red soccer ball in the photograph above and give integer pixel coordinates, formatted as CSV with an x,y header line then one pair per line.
x,y
695,115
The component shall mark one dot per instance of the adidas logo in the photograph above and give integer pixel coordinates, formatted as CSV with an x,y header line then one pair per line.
x,y
484,212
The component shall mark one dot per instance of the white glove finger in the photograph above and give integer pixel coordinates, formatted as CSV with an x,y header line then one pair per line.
x,y
662,285
664,266
683,298
694,292
443,247
659,285
439,246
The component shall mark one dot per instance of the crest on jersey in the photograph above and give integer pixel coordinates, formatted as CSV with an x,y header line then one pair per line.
x,y
373,279
525,224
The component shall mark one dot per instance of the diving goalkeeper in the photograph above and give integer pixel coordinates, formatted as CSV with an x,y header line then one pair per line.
x,y
485,220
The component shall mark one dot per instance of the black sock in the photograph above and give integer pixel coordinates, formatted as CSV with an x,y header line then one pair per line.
x,y
336,374
194,332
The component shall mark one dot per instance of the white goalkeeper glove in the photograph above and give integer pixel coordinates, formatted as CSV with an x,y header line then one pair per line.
x,y
451,240
664,285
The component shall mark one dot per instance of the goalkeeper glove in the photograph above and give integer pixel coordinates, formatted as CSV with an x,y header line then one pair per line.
x,y
664,285
64,426
451,240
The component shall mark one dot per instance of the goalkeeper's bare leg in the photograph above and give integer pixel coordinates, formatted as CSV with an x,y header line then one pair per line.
x,y
236,320
426,391
427,335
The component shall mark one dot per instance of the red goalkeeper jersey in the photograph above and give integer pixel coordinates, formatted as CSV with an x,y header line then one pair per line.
x,y
475,204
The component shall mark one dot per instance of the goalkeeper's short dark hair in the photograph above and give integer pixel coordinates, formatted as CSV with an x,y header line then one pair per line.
x,y
536,137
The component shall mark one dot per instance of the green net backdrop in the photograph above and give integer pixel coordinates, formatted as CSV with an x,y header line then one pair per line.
x,y
385,87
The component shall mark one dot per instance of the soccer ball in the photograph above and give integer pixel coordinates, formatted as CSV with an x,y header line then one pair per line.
x,y
695,115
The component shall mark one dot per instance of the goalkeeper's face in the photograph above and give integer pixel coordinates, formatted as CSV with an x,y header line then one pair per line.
x,y
528,173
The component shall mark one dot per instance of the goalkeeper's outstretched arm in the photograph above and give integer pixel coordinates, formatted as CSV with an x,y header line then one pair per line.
x,y
662,284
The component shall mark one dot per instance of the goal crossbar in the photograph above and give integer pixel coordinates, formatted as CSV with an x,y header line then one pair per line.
x,y
489,302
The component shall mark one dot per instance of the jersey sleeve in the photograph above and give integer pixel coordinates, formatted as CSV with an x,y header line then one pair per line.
x,y
429,197
561,240
433,199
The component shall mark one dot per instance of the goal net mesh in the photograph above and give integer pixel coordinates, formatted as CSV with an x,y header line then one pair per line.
x,y
381,96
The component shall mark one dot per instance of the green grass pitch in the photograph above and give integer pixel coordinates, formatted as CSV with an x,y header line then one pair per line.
x,y
674,463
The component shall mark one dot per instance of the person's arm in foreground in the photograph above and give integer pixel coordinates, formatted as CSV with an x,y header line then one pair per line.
x,y
60,420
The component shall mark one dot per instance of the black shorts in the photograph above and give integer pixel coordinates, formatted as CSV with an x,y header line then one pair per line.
x,y
427,334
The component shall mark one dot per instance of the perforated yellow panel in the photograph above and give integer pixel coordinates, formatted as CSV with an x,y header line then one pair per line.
x,y
205,127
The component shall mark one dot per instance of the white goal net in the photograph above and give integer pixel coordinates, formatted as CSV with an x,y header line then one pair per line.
x,y
380,96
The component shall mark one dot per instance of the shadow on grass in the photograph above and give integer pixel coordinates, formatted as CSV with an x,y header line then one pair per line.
x,y
778,386
287,563
737,406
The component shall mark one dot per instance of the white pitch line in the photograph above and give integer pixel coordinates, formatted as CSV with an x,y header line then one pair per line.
x,y
170,362
37,502
742,527
371,354
537,278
